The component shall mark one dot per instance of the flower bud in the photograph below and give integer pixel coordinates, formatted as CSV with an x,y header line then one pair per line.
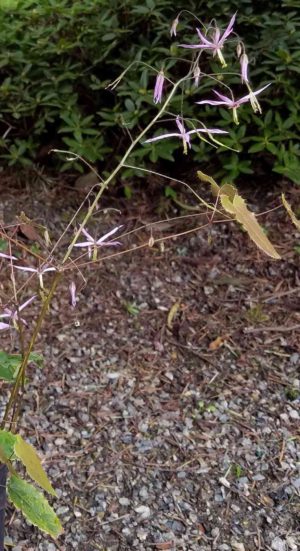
x,y
174,27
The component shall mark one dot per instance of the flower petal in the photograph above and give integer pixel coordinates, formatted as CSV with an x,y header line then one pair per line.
x,y
163,136
87,235
8,256
211,102
244,99
6,315
27,269
228,31
26,303
180,125
83,244
111,232
196,46
223,98
203,38
208,131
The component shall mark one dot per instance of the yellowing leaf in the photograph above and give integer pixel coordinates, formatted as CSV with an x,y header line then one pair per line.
x,y
235,205
227,204
27,454
172,313
215,188
250,224
288,207
229,190
33,505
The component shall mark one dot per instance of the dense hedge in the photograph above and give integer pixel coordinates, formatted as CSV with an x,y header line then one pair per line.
x,y
57,56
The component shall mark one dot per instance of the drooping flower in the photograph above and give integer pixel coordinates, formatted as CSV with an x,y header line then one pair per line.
x,y
174,26
39,271
93,244
234,104
244,68
197,73
184,135
158,89
72,289
216,43
13,315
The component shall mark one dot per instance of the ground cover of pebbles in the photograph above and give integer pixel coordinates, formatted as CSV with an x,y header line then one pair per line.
x,y
167,413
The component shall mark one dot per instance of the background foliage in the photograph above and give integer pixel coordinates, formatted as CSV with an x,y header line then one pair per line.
x,y
57,56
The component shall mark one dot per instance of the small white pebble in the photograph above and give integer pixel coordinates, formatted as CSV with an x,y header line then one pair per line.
x,y
124,501
143,510
224,482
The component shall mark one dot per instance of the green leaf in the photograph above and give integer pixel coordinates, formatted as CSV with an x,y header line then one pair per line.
x,y
170,192
215,188
7,443
260,146
27,454
10,364
3,245
33,505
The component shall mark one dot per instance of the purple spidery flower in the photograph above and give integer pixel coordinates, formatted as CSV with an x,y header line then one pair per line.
x,y
216,43
185,135
13,315
93,244
39,271
234,104
158,89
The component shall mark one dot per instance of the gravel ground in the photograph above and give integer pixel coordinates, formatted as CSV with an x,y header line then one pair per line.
x,y
167,413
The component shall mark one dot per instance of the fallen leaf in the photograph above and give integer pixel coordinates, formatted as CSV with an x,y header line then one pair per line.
x,y
172,313
217,343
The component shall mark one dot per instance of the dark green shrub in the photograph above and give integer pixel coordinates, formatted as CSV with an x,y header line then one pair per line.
x,y
57,56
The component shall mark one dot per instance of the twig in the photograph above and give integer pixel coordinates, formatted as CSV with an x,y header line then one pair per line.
x,y
280,328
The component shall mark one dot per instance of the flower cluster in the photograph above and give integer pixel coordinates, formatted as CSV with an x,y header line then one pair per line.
x,y
13,315
211,40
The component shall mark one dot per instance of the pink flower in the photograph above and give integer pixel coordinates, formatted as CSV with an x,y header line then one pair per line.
x,y
39,271
92,243
158,89
185,135
234,104
13,315
216,43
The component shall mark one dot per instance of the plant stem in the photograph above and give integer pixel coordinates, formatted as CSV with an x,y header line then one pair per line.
x,y
120,166
21,373
3,479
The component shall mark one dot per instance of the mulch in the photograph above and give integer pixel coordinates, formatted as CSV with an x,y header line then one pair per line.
x,y
167,412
